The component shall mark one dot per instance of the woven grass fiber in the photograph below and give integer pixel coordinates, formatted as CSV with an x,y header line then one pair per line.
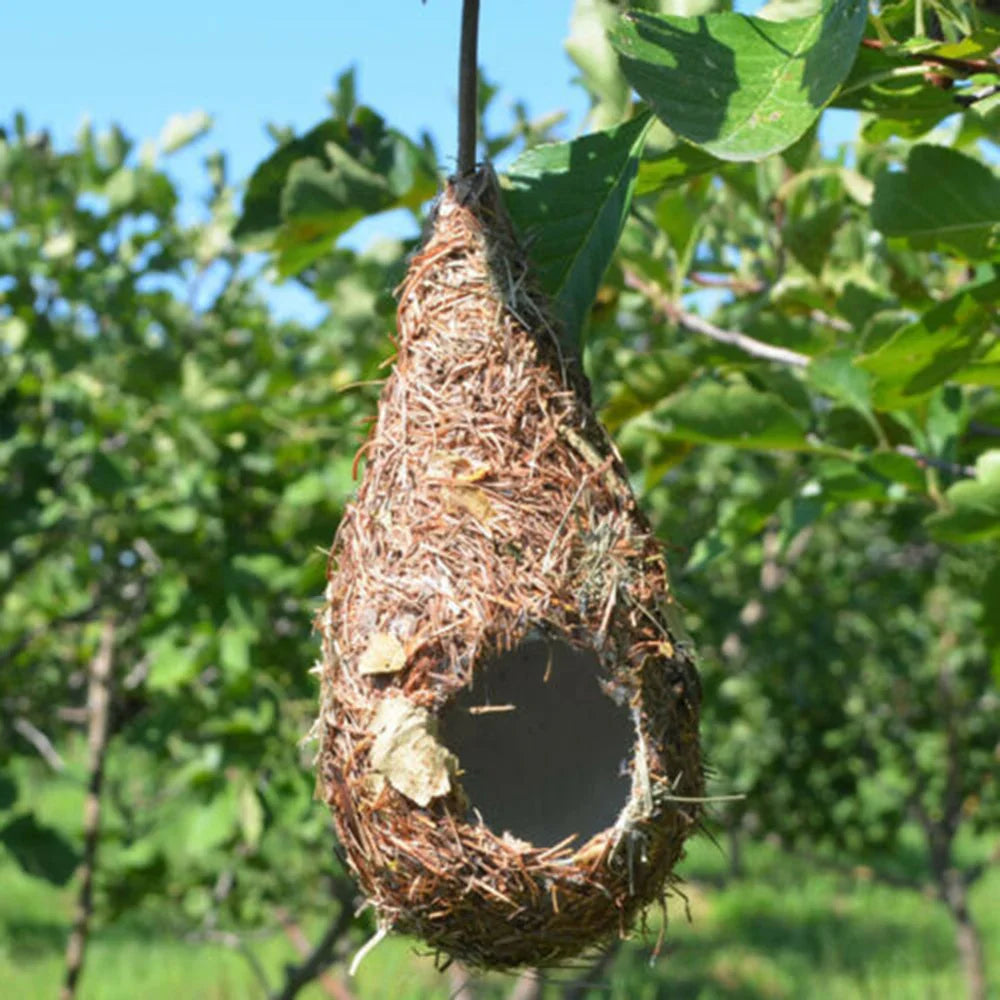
x,y
494,512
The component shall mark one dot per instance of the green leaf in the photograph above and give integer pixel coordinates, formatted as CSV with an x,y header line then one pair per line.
x,y
181,130
587,45
39,850
313,188
836,375
942,200
645,379
735,414
251,815
738,86
899,102
172,664
981,44
8,791
935,348
974,505
571,199
234,650
671,167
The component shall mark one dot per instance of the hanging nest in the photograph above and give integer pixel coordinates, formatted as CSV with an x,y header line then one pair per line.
x,y
495,530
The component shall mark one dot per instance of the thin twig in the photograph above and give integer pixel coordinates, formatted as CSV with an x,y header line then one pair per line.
x,y
967,67
98,705
40,742
320,958
747,344
332,986
935,463
238,943
468,79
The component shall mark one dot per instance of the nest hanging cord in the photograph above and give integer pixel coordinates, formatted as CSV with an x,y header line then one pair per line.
x,y
468,79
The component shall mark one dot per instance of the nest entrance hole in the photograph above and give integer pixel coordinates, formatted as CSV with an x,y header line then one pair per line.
x,y
543,751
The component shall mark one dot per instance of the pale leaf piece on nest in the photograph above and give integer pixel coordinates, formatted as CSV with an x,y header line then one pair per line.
x,y
383,655
474,501
406,752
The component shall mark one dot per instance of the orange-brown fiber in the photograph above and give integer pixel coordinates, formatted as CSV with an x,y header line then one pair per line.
x,y
494,508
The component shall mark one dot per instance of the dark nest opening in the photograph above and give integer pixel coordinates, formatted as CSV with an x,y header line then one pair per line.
x,y
542,750
494,541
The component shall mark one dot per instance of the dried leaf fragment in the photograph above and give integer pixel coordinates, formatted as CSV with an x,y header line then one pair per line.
x,y
384,654
474,501
406,751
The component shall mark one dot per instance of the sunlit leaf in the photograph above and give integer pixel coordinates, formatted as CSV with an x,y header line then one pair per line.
x,y
973,512
570,200
943,199
741,87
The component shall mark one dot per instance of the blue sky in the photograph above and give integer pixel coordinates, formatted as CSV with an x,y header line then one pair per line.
x,y
251,63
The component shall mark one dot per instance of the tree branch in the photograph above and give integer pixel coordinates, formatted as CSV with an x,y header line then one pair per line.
x,y
747,344
40,742
332,986
468,79
322,955
98,704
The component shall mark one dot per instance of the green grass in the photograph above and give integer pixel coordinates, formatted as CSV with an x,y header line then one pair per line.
x,y
785,930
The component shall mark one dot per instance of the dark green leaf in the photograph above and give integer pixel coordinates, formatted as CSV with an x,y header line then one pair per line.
x,y
8,791
943,199
570,200
734,414
645,381
39,850
926,353
314,188
974,505
739,86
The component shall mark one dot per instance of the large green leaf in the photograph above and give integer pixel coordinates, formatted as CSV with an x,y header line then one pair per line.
x,y
974,505
945,341
942,200
312,189
571,199
738,86
588,46
734,414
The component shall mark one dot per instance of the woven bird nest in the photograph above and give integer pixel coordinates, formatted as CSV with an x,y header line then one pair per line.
x,y
498,607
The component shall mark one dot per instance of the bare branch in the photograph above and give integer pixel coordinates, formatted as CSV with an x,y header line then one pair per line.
x,y
332,986
324,951
98,705
238,943
40,742
747,344
937,463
